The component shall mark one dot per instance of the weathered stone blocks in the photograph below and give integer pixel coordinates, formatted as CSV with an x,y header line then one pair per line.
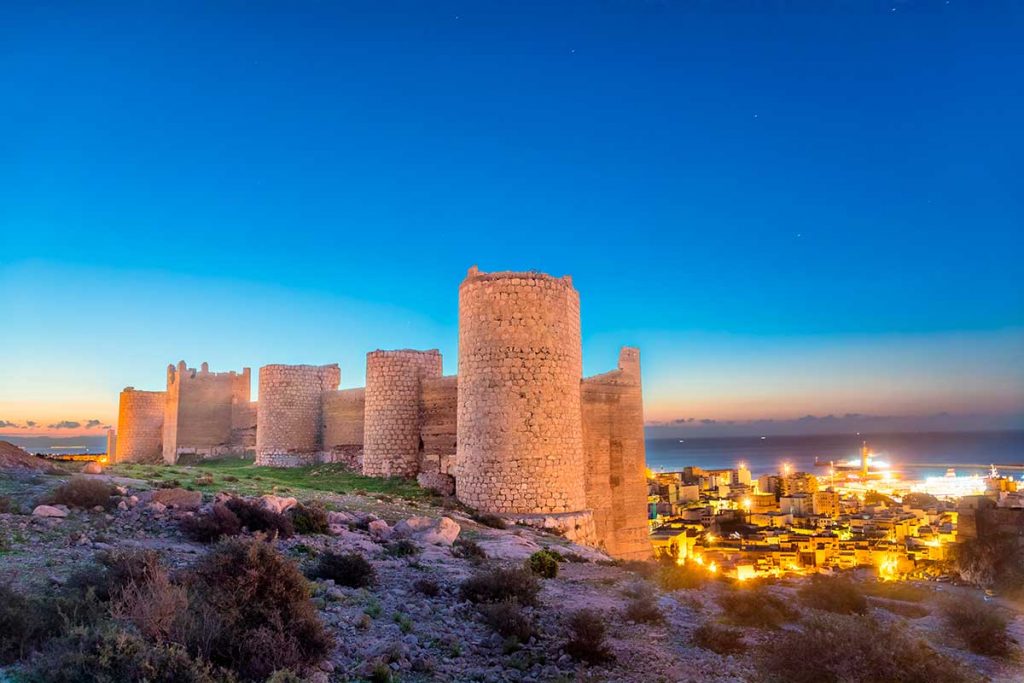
x,y
289,429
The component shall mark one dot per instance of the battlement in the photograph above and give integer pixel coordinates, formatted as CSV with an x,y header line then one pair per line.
x,y
627,373
474,275
184,373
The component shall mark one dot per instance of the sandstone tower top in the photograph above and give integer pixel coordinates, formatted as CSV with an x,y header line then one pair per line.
x,y
474,274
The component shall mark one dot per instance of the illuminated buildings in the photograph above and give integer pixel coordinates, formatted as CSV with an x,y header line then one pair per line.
x,y
826,503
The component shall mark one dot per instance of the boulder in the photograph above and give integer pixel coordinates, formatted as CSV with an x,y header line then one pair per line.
x,y
156,507
92,468
177,498
379,530
436,481
441,531
277,503
48,511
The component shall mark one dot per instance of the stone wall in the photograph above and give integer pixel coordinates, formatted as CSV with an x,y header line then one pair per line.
x,y
243,425
140,424
111,446
200,414
289,429
520,441
343,426
392,443
439,409
613,444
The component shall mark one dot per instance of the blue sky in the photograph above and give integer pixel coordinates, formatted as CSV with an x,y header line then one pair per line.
x,y
791,207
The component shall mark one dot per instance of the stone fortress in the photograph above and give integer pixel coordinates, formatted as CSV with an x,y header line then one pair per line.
x,y
519,432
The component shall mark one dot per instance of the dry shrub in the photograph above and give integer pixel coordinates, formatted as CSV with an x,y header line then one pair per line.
x,y
895,590
492,521
212,526
854,649
83,492
468,550
543,563
508,619
345,569
256,615
755,607
642,607
108,655
8,506
403,547
427,587
980,625
255,517
22,629
833,594
587,637
723,640
904,609
153,605
682,576
500,585
309,519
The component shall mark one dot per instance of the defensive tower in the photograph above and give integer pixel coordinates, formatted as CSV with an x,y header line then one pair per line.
x,y
140,425
289,426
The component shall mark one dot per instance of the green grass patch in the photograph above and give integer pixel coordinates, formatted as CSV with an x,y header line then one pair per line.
x,y
243,477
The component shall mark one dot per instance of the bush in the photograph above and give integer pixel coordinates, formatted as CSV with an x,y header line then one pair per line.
x,y
587,637
8,506
22,628
309,520
720,639
212,526
83,492
402,548
755,607
345,569
833,594
500,585
468,550
982,627
251,611
110,654
854,649
682,576
492,521
427,587
544,563
642,607
904,609
508,619
895,590
255,517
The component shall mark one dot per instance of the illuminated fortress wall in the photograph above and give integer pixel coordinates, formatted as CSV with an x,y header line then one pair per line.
x,y
520,433
200,411
343,426
289,423
613,443
140,426
392,441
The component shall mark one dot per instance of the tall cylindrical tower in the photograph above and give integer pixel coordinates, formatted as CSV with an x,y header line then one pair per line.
x,y
290,413
520,442
392,442
140,426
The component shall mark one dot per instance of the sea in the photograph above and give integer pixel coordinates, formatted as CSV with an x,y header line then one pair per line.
x,y
919,455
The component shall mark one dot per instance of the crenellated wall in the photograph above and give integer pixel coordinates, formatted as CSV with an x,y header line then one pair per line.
x,y
343,426
200,413
392,443
289,425
140,425
613,445
520,441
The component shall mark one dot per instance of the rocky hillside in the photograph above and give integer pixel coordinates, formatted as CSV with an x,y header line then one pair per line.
x,y
13,458
411,587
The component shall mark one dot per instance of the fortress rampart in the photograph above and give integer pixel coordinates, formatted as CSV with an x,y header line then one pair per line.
x,y
200,411
140,420
613,441
289,423
520,444
392,443
343,426
518,432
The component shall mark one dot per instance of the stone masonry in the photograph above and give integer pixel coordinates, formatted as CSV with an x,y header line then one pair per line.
x,y
140,425
393,441
289,424
520,432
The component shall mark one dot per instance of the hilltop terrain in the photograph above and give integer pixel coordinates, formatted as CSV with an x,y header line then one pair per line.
x,y
410,586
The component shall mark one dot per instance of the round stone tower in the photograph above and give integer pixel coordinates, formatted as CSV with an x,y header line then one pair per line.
x,y
290,413
392,442
520,441
140,426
